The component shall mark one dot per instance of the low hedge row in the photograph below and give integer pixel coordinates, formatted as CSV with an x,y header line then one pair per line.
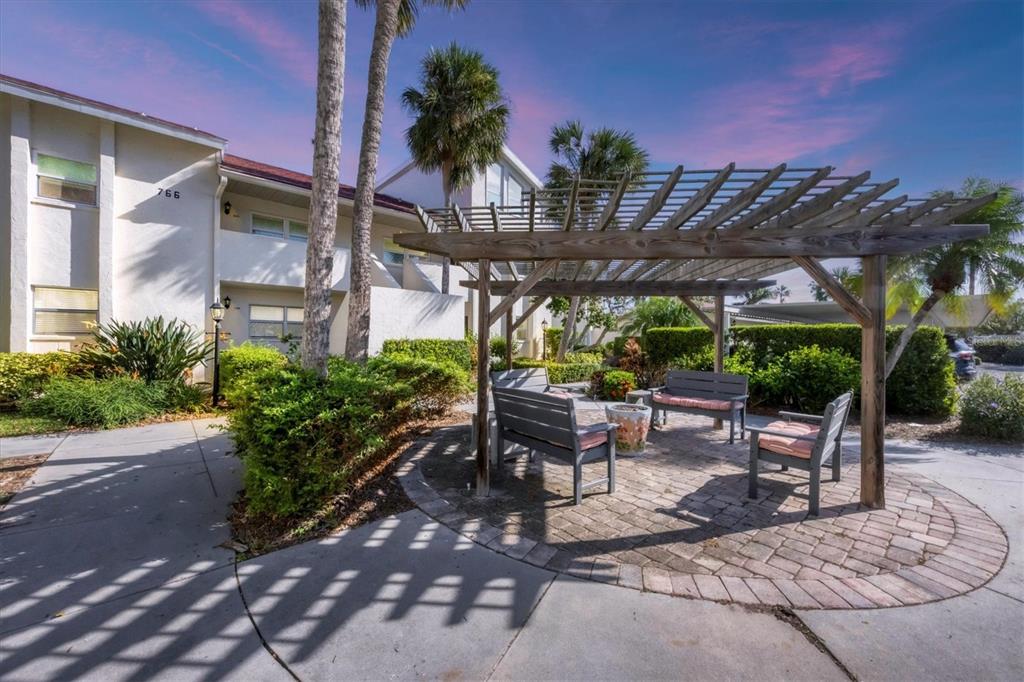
x,y
561,372
922,382
456,351
23,374
1005,350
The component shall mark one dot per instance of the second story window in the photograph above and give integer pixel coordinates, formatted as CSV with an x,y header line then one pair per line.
x,y
501,187
282,228
66,180
494,185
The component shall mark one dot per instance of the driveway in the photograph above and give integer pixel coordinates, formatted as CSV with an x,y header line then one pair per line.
x,y
110,569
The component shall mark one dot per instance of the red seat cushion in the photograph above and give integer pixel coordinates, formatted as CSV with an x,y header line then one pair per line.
x,y
592,436
699,403
558,394
789,446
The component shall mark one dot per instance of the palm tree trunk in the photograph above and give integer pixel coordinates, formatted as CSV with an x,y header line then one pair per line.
x,y
894,354
323,202
972,275
385,28
567,328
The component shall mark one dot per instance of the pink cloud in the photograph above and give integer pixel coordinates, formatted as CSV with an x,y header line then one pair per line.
x,y
534,112
293,53
850,61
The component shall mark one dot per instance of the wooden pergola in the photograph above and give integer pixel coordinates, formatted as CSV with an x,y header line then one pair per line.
x,y
693,233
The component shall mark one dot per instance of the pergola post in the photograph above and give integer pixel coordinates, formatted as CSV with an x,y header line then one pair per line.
x,y
872,385
483,363
508,339
719,332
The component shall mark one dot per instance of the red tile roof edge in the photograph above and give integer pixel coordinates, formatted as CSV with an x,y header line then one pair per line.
x,y
296,179
108,107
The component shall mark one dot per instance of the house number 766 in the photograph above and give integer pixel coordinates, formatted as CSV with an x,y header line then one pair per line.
x,y
170,194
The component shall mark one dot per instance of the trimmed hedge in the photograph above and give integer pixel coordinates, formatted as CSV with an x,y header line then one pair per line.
x,y
561,372
922,382
456,351
1006,350
23,374
665,344
239,362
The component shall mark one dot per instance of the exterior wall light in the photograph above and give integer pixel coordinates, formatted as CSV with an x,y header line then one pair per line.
x,y
227,208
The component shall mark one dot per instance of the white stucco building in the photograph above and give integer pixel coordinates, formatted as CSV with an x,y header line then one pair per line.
x,y
113,214
505,183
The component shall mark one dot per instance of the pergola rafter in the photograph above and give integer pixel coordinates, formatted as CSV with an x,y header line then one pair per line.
x,y
700,232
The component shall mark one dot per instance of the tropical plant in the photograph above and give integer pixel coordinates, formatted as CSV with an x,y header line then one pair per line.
x,y
597,312
755,296
151,350
323,201
658,311
461,121
1009,321
850,278
996,260
393,18
781,292
601,154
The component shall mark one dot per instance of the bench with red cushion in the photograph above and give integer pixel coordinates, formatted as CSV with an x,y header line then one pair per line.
x,y
713,394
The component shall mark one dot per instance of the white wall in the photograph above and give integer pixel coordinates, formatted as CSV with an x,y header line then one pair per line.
x,y
236,318
404,314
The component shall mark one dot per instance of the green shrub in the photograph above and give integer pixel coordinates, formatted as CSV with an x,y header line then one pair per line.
x,y
664,344
554,338
703,360
78,401
1007,350
584,358
616,384
303,438
560,372
812,377
922,382
240,361
23,374
617,345
994,408
152,350
456,351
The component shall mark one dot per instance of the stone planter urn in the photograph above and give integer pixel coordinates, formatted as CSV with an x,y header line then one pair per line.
x,y
633,421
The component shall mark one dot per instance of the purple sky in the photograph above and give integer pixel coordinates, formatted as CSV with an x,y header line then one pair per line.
x,y
929,92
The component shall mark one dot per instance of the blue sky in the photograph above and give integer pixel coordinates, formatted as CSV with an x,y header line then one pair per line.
x,y
929,92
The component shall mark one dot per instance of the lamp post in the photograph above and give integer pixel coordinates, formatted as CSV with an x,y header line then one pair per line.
x,y
544,339
217,313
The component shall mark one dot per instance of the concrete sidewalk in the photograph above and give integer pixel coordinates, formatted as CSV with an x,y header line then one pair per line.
x,y
110,569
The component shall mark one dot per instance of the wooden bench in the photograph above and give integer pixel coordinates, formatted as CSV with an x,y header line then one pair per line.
x,y
528,379
547,423
802,441
718,395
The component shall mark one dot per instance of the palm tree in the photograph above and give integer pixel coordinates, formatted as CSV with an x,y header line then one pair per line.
x,y
602,154
461,120
781,292
393,18
757,295
658,311
996,260
323,202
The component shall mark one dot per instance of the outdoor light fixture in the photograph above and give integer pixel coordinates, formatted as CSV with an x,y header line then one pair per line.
x,y
227,303
217,313
227,208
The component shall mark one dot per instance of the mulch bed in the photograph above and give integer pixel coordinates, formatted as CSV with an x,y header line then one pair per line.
x,y
15,472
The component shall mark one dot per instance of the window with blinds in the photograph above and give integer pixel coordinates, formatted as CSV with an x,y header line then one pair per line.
x,y
274,322
60,311
286,228
66,180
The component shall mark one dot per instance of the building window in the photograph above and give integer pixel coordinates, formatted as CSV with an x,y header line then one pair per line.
x,y
493,184
282,228
66,180
501,187
274,322
57,310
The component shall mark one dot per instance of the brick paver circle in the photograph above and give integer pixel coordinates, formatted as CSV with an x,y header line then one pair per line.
x,y
680,523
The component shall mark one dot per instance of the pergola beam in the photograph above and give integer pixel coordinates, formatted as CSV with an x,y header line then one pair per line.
x,y
700,287
839,242
537,303
701,315
517,290
846,300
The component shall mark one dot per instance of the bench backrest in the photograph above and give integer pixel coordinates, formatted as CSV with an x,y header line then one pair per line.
x,y
530,379
709,385
833,423
536,415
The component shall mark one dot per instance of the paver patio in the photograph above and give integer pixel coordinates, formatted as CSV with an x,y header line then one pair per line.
x,y
680,522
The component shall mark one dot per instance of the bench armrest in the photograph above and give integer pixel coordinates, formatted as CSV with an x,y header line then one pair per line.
x,y
797,416
739,397
772,432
